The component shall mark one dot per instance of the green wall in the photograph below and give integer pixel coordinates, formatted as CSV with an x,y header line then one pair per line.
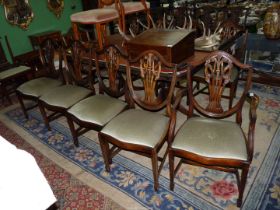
x,y
44,20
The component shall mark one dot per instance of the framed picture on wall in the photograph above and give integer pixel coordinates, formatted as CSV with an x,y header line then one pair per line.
x,y
10,3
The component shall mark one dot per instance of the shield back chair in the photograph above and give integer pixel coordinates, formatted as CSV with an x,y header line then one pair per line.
x,y
49,75
143,130
207,138
60,99
229,32
96,111
106,12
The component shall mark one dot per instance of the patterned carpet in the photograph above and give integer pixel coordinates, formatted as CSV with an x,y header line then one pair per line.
x,y
196,188
70,192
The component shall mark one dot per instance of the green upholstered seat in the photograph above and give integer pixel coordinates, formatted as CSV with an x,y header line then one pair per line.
x,y
97,109
138,127
211,138
233,75
13,71
38,87
70,94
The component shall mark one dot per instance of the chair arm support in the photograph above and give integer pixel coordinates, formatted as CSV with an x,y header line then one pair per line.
x,y
253,100
178,98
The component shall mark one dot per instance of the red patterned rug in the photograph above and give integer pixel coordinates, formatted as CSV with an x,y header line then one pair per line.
x,y
70,192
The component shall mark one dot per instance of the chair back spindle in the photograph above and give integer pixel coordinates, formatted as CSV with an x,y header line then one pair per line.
x,y
80,63
111,80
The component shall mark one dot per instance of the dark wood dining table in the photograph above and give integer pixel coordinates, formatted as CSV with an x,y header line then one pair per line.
x,y
192,61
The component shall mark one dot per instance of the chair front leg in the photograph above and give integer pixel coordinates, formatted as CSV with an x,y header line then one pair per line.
x,y
23,108
243,180
171,170
105,152
73,131
44,115
155,169
5,93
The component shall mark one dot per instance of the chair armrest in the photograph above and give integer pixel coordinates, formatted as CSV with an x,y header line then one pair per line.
x,y
253,100
178,98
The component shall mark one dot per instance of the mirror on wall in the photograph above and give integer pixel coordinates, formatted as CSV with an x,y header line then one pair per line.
x,y
56,6
18,12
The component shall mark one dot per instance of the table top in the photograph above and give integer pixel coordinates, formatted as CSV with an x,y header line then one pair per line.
x,y
159,37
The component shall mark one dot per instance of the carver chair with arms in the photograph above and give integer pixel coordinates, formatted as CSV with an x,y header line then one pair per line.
x,y
61,98
208,138
96,111
229,31
49,75
143,130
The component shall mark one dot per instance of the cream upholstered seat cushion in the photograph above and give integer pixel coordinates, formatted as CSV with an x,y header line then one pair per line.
x,y
211,138
65,96
97,109
233,75
138,127
13,71
132,7
38,87
99,15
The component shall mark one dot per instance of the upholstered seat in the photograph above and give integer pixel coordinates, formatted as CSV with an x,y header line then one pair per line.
x,y
214,141
38,87
7,77
95,16
13,71
97,109
138,127
70,94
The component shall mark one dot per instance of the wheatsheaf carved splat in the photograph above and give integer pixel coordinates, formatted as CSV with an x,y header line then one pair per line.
x,y
150,68
112,58
217,74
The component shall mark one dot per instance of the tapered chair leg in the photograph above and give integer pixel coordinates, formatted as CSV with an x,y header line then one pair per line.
x,y
44,115
243,180
5,94
171,170
105,152
73,131
155,169
22,105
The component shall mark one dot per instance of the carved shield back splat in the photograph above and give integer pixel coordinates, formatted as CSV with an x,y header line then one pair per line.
x,y
112,58
150,68
217,74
